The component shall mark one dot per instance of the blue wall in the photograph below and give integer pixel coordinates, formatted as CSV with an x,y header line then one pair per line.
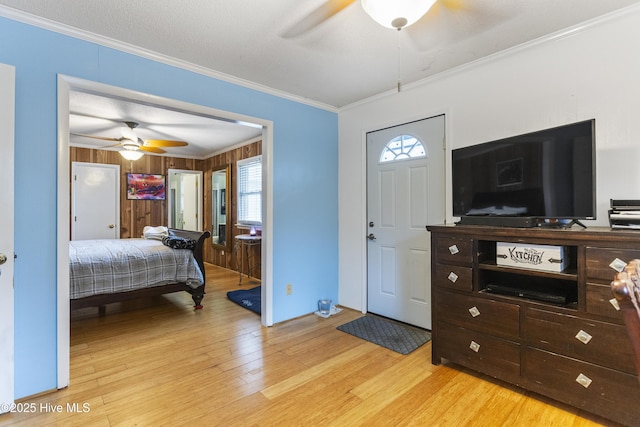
x,y
305,180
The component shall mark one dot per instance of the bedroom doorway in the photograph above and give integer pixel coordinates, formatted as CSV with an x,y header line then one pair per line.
x,y
185,199
7,117
68,85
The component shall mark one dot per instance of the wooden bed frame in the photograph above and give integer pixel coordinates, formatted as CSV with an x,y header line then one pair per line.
x,y
197,294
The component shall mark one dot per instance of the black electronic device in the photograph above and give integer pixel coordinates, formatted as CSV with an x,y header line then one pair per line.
x,y
538,295
525,180
624,204
500,221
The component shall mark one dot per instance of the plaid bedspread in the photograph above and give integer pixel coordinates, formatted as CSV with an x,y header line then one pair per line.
x,y
120,265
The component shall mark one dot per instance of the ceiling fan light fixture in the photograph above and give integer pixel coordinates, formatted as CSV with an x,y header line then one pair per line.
x,y
130,145
131,154
397,14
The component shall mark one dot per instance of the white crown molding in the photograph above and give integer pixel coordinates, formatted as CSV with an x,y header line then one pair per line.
x,y
67,30
561,34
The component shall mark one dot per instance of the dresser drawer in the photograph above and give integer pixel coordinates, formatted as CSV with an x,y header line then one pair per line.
x,y
453,250
603,391
454,277
485,315
585,339
598,260
492,356
599,301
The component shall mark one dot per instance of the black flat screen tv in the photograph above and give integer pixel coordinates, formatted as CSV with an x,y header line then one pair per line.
x,y
540,177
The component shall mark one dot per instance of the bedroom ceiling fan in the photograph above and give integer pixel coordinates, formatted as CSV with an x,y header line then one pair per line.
x,y
134,147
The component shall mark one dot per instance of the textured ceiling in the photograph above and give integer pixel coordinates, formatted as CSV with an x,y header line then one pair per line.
x,y
104,117
343,59
283,46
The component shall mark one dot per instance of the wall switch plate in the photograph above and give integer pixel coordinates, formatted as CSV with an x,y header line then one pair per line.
x,y
289,288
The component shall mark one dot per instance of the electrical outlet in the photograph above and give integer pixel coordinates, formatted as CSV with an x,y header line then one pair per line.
x,y
222,253
289,288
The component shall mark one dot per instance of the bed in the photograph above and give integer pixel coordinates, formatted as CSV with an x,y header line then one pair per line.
x,y
106,271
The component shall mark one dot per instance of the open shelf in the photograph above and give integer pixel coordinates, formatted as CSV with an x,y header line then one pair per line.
x,y
558,288
555,289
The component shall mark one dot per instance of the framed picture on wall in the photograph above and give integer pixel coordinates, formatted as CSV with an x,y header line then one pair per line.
x,y
144,186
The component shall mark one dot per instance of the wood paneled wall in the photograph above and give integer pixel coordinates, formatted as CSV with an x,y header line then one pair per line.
x,y
215,255
136,214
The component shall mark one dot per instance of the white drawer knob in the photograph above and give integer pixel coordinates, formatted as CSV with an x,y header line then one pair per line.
x,y
474,311
453,249
584,380
618,265
615,304
474,346
583,337
452,277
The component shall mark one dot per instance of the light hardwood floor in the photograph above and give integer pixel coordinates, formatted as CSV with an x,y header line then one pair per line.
x,y
159,362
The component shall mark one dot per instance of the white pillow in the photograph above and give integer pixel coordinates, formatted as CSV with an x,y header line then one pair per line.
x,y
157,233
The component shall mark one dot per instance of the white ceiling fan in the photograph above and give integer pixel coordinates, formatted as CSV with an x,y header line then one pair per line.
x,y
395,14
133,147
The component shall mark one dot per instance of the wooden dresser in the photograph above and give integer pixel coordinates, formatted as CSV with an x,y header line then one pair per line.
x,y
576,351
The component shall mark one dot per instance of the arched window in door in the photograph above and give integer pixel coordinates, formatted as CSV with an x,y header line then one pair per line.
x,y
403,147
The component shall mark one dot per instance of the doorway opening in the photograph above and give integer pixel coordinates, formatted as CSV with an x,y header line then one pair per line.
x,y
185,199
66,85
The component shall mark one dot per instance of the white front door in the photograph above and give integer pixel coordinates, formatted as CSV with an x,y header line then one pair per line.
x,y
405,193
7,107
95,201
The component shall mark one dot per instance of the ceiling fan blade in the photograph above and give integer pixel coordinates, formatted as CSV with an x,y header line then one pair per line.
x,y
149,149
104,138
317,17
453,4
164,143
452,21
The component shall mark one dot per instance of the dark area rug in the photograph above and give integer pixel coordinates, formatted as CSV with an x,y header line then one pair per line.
x,y
395,336
247,298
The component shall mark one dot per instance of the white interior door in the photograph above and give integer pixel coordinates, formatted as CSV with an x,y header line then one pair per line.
x,y
7,107
405,193
95,201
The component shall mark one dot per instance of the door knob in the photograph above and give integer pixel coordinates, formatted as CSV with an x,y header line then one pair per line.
x,y
111,226
3,259
371,237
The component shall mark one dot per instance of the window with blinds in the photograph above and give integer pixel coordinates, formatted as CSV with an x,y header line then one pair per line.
x,y
250,191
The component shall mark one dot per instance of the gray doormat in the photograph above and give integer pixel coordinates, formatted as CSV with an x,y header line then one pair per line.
x,y
395,336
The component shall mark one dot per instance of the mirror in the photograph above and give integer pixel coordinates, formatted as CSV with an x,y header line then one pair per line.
x,y
220,202
185,199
